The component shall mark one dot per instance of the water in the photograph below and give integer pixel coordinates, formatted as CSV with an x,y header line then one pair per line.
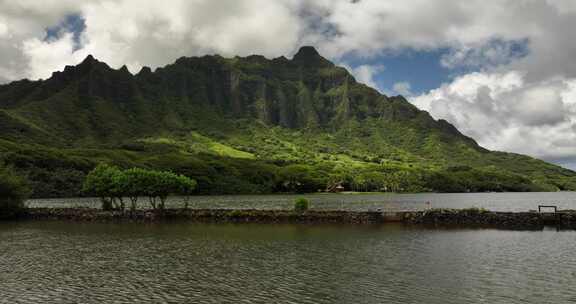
x,y
359,202
58,262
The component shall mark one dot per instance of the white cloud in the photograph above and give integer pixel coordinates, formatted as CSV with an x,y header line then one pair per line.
x,y
483,55
3,30
24,21
504,112
402,88
563,6
144,32
478,32
148,32
48,56
154,33
366,74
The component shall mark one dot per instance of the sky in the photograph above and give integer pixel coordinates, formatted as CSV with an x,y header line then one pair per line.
x,y
502,71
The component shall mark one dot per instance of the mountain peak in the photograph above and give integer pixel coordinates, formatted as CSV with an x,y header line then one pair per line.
x,y
88,60
124,69
89,63
307,51
145,71
309,56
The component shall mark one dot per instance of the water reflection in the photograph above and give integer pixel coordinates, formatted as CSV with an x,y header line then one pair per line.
x,y
52,262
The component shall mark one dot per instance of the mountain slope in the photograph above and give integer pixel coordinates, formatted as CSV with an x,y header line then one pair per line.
x,y
295,122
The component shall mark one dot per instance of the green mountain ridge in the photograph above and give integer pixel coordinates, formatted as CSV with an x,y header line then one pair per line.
x,y
246,125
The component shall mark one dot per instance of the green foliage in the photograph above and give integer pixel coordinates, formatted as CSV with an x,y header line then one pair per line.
x,y
158,185
301,205
467,179
52,172
242,125
112,185
474,210
108,183
301,179
13,192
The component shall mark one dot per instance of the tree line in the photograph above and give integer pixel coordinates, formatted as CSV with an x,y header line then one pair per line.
x,y
52,173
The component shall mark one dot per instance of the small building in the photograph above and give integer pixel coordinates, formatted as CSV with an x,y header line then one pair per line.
x,y
335,188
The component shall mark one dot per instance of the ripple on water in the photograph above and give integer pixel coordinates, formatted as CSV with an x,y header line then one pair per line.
x,y
195,263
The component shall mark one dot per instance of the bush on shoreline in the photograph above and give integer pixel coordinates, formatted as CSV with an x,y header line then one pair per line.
x,y
301,205
14,190
112,185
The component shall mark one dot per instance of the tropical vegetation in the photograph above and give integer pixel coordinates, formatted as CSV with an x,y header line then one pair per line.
x,y
246,125
113,185
13,192
301,205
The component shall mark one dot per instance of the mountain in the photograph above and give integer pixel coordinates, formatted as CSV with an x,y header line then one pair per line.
x,y
244,125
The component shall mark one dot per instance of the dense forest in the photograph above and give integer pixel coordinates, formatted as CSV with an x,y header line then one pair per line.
x,y
246,125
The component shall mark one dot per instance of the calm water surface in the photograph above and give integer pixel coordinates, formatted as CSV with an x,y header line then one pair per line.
x,y
490,201
56,262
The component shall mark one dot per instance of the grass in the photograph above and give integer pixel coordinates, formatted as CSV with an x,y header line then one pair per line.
x,y
197,143
219,148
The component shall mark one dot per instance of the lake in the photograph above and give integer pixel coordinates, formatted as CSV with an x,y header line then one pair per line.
x,y
61,262
359,202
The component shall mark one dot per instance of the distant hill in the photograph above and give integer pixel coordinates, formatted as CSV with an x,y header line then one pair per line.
x,y
247,125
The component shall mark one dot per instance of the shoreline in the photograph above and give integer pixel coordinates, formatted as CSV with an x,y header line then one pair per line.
x,y
458,218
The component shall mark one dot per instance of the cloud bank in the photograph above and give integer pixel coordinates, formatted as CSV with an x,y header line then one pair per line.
x,y
505,112
514,60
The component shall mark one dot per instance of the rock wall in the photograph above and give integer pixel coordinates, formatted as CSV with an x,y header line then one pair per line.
x,y
458,218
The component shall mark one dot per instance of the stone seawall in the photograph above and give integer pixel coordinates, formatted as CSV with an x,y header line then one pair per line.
x,y
206,215
490,219
436,217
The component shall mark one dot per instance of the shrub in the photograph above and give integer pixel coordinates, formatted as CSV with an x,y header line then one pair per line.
x,y
106,182
158,185
474,210
301,205
14,190
112,185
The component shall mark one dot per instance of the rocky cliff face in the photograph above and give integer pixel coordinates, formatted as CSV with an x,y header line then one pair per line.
x,y
93,101
304,91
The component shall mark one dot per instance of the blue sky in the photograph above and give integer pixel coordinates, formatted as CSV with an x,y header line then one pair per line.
x,y
422,69
72,23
